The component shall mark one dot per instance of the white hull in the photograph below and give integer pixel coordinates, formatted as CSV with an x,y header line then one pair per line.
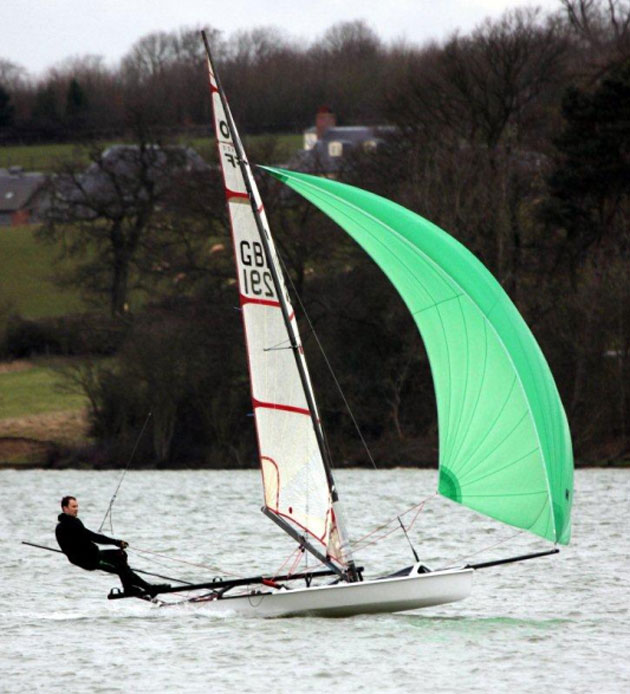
x,y
347,599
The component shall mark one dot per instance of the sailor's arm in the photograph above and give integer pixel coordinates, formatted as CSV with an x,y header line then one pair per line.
x,y
104,540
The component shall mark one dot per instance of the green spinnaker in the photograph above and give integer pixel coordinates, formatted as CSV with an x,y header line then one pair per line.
x,y
505,445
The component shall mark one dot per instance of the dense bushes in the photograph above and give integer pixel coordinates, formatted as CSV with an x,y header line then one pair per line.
x,y
5,314
181,371
64,335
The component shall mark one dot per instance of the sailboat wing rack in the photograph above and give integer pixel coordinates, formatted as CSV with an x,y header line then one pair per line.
x,y
225,585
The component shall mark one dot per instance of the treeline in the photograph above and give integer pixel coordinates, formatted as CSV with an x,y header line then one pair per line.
x,y
276,84
513,138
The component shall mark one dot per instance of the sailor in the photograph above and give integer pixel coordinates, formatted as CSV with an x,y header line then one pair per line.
x,y
78,544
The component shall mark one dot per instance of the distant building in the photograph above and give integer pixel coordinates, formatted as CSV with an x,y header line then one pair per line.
x,y
326,144
127,162
121,176
19,196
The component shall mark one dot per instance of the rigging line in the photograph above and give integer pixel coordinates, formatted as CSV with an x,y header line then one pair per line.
x,y
356,546
207,567
489,547
283,344
295,564
328,364
419,506
296,555
133,568
360,544
168,578
122,477
363,543
285,562
156,562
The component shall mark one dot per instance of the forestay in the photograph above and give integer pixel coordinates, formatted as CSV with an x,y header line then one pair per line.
x,y
505,447
294,478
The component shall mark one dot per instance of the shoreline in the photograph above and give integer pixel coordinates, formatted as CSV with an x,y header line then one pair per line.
x,y
39,465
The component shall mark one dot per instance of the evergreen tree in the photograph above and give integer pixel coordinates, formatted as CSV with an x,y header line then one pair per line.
x,y
45,114
589,188
76,104
6,108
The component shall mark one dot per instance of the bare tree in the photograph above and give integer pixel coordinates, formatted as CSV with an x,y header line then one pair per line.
x,y
12,75
600,30
600,22
106,215
487,88
162,74
473,116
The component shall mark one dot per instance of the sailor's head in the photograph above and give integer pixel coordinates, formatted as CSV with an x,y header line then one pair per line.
x,y
70,505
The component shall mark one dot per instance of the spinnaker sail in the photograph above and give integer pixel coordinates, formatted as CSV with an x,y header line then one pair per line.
x,y
505,446
295,482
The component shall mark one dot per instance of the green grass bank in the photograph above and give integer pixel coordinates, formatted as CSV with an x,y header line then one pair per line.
x,y
27,286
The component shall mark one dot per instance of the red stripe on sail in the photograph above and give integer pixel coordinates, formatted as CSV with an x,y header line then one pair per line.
x,y
233,194
261,302
278,406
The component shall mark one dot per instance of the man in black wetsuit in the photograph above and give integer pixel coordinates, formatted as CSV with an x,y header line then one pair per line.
x,y
77,543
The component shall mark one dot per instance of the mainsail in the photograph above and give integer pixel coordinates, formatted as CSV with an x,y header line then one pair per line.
x,y
295,481
505,446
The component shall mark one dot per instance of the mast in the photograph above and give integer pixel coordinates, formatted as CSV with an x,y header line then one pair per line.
x,y
295,345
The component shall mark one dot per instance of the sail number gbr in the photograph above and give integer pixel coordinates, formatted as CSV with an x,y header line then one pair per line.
x,y
257,279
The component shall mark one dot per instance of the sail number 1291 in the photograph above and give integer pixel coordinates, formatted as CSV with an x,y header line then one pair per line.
x,y
257,279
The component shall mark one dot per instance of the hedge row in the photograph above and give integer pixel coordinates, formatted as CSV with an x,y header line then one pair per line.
x,y
64,335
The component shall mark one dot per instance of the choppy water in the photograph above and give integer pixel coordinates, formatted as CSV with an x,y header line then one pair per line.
x,y
558,623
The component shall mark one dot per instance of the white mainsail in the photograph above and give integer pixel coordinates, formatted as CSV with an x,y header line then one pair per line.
x,y
294,477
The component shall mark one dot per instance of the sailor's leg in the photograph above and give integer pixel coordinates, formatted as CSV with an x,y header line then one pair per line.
x,y
115,561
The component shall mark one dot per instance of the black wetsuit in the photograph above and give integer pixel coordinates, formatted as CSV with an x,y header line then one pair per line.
x,y
78,544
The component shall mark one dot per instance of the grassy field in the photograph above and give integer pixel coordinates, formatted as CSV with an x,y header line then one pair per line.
x,y
38,157
36,411
47,156
33,410
34,387
26,277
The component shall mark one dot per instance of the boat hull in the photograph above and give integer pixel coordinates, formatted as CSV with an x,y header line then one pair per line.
x,y
397,594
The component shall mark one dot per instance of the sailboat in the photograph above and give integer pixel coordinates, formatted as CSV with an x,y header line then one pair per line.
x,y
505,446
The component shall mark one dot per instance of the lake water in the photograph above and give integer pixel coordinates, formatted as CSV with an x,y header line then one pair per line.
x,y
560,623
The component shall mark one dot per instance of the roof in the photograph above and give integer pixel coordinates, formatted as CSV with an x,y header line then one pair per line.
x,y
125,159
355,134
123,176
124,163
17,187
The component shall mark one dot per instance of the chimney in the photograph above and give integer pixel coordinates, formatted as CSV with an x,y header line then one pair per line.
x,y
324,120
